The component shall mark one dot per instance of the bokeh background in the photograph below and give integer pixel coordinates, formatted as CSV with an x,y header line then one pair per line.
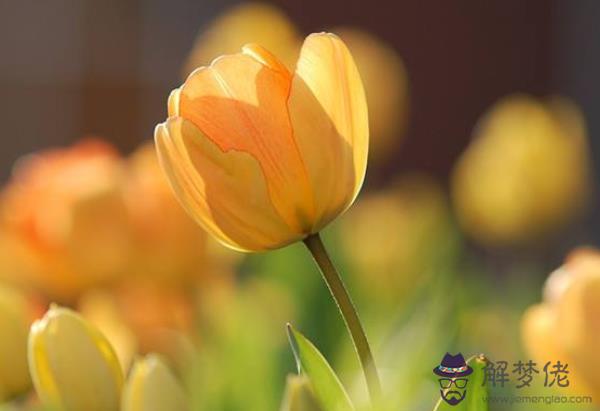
x,y
448,245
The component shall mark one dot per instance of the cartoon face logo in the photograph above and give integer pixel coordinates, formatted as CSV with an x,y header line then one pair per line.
x,y
453,372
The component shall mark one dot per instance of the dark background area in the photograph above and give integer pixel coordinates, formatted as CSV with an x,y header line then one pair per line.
x,y
70,68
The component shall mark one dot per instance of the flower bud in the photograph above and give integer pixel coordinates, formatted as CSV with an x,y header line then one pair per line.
x,y
153,386
72,365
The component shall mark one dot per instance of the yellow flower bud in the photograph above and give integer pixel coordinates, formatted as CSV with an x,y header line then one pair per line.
x,y
73,366
299,395
14,326
151,386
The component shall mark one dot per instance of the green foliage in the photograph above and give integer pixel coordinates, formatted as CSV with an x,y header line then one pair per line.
x,y
328,389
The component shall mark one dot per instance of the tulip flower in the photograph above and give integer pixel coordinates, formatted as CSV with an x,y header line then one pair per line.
x,y
262,158
72,365
562,327
153,386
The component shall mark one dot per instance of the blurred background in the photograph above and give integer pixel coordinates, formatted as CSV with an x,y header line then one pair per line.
x,y
485,123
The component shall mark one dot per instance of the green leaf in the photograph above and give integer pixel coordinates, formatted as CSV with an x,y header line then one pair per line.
x,y
477,392
327,388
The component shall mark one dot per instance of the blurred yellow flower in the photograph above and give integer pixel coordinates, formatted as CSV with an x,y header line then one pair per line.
x,y
73,366
299,395
392,237
254,22
526,172
564,326
386,86
63,217
15,318
152,386
262,158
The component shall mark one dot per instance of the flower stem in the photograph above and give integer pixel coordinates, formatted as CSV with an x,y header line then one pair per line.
x,y
341,297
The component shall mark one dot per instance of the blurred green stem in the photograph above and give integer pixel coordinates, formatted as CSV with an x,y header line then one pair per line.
x,y
344,302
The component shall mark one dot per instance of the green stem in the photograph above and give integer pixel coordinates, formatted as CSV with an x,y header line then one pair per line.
x,y
344,302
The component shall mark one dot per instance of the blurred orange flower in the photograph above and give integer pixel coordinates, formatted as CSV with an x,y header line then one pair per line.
x,y
525,174
260,157
565,325
84,217
63,218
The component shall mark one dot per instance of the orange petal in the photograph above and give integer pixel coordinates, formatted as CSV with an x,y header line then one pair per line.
x,y
239,102
225,192
329,116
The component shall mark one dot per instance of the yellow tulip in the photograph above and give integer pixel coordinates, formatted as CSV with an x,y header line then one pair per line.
x,y
563,326
299,395
262,158
72,365
152,386
14,326
525,174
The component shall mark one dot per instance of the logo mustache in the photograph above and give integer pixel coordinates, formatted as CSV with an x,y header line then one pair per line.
x,y
453,397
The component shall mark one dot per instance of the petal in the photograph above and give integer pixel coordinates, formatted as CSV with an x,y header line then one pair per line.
x,y
173,102
225,192
328,111
239,103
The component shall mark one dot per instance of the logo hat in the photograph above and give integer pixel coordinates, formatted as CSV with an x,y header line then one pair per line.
x,y
453,366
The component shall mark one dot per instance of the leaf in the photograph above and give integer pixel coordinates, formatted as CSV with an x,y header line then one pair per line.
x,y
477,392
327,388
